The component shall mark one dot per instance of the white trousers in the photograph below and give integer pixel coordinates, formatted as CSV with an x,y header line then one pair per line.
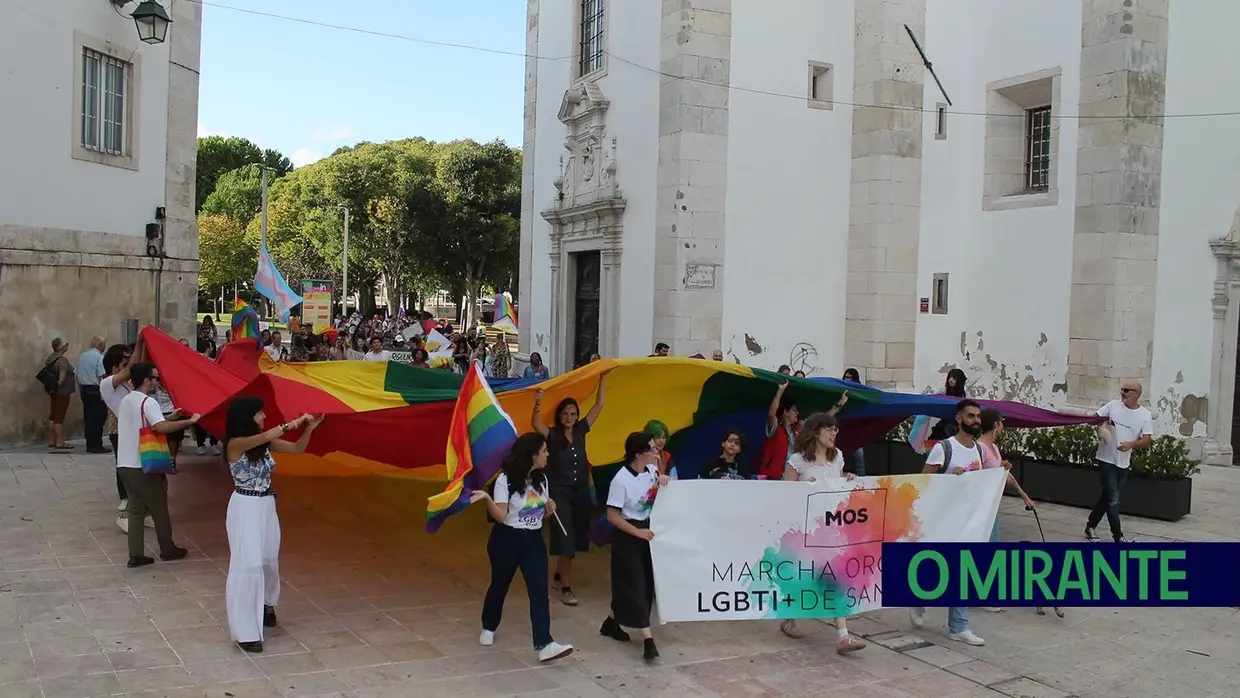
x,y
253,565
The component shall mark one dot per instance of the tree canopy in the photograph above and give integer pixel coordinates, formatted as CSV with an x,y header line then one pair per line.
x,y
217,155
423,216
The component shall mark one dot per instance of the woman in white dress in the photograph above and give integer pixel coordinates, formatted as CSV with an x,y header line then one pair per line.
x,y
815,458
253,586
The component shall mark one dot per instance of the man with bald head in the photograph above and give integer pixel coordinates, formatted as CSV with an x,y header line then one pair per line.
x,y
94,412
1128,426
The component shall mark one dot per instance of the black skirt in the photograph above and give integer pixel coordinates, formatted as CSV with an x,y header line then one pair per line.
x,y
632,578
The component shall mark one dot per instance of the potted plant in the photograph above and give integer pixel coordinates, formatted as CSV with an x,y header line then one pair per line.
x,y
1059,468
1161,484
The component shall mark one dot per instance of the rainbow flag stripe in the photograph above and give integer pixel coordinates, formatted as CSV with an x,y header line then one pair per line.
x,y
244,321
479,437
505,314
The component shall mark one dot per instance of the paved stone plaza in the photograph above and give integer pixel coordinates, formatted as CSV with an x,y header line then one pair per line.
x,y
373,606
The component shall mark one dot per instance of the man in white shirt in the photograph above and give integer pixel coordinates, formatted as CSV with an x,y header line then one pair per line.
x,y
966,456
147,493
376,352
1129,426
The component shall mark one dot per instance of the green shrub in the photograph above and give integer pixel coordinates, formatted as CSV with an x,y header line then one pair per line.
x,y
899,433
1167,458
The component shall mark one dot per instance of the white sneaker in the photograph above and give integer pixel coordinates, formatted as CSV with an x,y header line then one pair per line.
x,y
123,524
992,609
968,638
123,505
202,450
149,523
554,651
917,616
487,638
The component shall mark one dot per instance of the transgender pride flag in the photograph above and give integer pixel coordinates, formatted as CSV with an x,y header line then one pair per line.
x,y
271,284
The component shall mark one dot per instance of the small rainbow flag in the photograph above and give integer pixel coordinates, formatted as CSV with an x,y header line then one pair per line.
x,y
479,437
244,321
505,314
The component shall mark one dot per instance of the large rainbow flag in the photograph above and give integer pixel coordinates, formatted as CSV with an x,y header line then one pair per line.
x,y
391,419
479,437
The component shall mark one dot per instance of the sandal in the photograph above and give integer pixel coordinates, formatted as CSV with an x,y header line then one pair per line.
x,y
789,628
850,644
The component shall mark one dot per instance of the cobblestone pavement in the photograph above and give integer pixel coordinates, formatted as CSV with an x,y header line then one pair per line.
x,y
373,606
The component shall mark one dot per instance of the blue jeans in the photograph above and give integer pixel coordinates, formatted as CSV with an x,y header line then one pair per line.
x,y
511,549
957,619
1113,479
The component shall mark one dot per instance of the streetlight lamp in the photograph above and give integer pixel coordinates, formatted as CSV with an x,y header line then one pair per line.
x,y
344,294
151,19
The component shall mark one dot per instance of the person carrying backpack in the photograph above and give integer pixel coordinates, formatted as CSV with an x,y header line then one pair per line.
x,y
956,455
59,382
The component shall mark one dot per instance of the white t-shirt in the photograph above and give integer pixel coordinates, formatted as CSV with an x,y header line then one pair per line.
x,y
634,495
964,458
1126,425
274,351
112,395
809,472
377,356
525,509
129,423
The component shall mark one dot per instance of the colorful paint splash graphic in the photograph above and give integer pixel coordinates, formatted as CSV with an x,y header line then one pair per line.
x,y
833,571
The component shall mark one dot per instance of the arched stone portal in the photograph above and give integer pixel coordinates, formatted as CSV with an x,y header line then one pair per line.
x,y
1221,407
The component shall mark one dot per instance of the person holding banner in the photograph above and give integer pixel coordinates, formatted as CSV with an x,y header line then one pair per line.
x,y
569,478
957,455
814,459
629,503
516,542
782,425
659,432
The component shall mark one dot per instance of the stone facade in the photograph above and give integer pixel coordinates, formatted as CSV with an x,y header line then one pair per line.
x,y
77,283
884,215
1118,196
695,53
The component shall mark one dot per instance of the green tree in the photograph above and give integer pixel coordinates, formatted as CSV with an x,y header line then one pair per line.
x,y
474,238
238,194
225,257
217,155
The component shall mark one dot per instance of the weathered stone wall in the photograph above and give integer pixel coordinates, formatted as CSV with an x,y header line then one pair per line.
x,y
690,225
75,284
884,226
1118,194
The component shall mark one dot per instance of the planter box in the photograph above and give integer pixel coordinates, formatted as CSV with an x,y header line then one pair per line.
x,y
889,458
1079,487
877,458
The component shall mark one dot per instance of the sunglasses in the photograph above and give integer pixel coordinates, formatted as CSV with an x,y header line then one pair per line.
x,y
1125,391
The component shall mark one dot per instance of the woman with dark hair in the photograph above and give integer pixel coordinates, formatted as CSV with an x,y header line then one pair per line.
x,y
569,480
953,386
629,503
537,370
253,586
988,443
659,432
816,459
420,358
516,542
728,465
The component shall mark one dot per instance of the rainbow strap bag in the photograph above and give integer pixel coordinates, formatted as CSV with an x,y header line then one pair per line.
x,y
153,450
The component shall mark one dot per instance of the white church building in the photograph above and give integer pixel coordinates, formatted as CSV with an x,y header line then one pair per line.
x,y
1050,207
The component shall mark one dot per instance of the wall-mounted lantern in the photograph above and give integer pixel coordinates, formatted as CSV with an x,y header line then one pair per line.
x,y
151,19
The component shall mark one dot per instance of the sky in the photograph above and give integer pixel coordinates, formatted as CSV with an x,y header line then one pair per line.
x,y
308,90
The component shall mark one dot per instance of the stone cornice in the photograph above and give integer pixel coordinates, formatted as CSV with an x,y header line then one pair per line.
x,y
606,212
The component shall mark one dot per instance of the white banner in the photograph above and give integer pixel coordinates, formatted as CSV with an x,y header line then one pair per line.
x,y
750,550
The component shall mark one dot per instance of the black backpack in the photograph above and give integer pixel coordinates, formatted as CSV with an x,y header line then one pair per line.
x,y
49,377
